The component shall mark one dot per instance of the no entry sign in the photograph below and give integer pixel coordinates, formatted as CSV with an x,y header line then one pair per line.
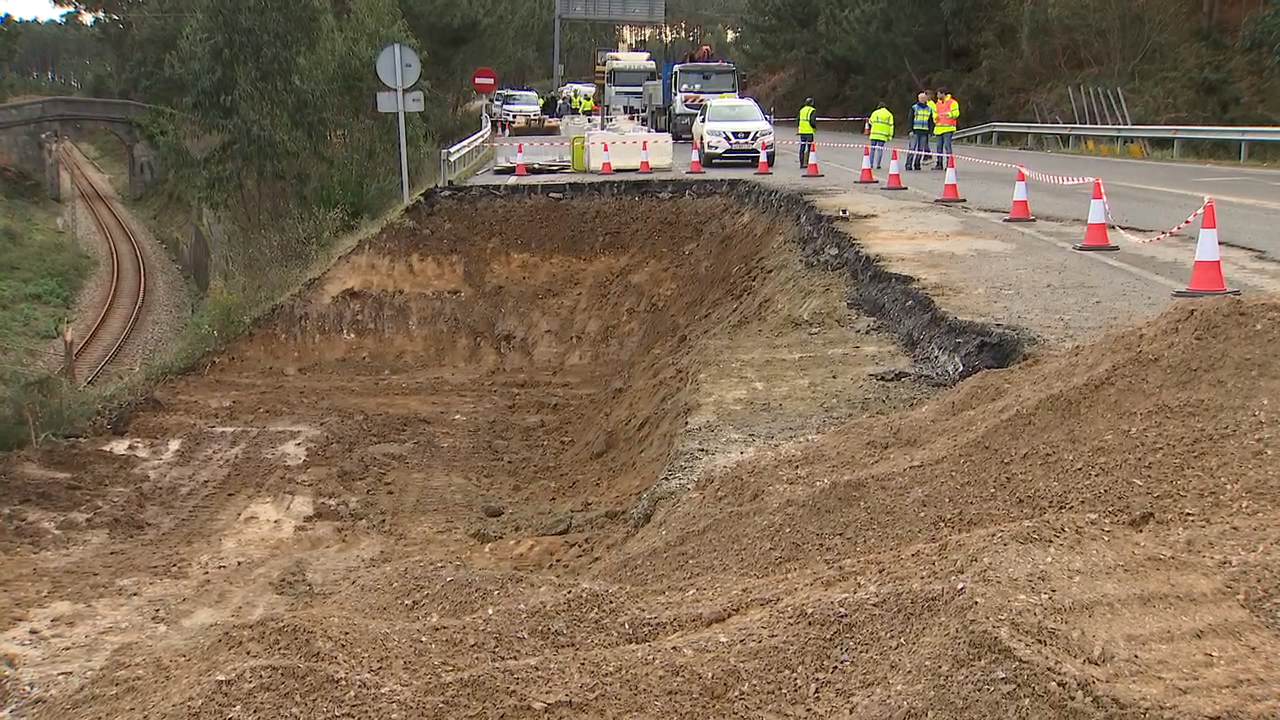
x,y
484,81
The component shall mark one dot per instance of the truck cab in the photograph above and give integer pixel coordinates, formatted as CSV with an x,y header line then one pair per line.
x,y
625,75
688,86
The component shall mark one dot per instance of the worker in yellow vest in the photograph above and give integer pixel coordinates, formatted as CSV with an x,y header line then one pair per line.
x,y
808,115
946,117
881,132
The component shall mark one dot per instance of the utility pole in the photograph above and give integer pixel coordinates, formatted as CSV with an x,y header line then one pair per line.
x,y
555,50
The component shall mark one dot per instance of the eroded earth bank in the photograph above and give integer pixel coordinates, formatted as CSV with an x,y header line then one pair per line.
x,y
672,452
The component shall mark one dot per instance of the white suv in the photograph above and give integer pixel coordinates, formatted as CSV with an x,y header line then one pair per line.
x,y
519,103
733,129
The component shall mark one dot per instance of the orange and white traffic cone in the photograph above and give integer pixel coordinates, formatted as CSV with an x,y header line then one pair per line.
x,y
695,161
813,171
1096,236
866,178
644,158
606,167
762,168
1020,211
1206,272
521,170
895,174
950,189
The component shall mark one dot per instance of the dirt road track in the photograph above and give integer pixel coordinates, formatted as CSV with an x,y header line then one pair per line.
x,y
412,492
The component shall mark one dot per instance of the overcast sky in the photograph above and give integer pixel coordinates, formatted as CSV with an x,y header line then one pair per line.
x,y
27,9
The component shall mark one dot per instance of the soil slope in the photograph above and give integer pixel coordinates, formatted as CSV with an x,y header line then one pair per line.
x,y
411,491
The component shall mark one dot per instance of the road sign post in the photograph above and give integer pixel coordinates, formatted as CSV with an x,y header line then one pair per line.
x,y
398,68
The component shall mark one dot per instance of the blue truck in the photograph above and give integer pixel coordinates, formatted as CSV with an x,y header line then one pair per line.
x,y
672,102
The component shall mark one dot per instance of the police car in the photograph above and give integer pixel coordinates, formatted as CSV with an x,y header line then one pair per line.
x,y
733,129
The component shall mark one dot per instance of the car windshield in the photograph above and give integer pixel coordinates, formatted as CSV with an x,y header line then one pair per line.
x,y
521,98
736,111
707,82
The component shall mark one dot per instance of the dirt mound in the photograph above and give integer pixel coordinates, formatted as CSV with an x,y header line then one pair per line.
x,y
1114,502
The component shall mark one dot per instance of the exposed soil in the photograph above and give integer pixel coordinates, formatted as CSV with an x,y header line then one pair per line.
x,y
628,454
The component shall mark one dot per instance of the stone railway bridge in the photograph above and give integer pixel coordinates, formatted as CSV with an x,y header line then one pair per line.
x,y
30,131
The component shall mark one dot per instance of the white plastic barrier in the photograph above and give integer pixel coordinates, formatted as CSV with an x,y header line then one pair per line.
x,y
624,150
537,148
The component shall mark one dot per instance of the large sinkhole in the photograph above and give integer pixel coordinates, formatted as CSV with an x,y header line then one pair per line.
x,y
549,338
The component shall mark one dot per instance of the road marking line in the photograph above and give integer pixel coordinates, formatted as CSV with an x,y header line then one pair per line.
x,y
1145,274
1220,179
1192,193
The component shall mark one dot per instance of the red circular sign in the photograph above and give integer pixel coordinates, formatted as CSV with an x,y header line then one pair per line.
x,y
484,81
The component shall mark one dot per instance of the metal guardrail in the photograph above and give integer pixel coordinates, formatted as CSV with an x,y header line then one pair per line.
x,y
462,158
1177,133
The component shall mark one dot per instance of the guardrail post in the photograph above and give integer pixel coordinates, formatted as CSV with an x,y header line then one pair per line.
x,y
995,139
1177,148
1244,152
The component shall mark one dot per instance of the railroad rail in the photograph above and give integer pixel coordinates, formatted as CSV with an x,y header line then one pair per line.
x,y
123,306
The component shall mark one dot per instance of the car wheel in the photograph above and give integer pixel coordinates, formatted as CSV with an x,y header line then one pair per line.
x,y
770,158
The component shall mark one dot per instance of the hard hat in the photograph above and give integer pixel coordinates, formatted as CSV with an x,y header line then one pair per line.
x,y
808,101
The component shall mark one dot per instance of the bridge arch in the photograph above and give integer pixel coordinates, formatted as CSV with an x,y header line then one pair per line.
x,y
29,127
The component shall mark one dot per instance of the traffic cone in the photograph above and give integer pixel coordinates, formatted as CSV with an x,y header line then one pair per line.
x,y
895,174
1206,272
644,158
763,167
521,170
813,172
1096,236
866,178
606,167
1021,211
950,190
695,161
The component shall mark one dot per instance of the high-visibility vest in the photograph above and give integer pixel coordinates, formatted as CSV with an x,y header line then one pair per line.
x,y
881,124
588,105
944,116
921,116
805,126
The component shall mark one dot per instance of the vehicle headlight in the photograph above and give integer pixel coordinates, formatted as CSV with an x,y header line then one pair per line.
x,y
717,133
768,133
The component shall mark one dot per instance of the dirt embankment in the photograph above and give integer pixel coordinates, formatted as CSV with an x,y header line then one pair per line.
x,y
410,493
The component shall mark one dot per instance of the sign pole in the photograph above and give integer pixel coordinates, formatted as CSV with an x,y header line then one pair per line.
x,y
404,147
555,51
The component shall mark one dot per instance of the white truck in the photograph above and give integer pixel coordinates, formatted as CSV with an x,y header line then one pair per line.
x,y
625,74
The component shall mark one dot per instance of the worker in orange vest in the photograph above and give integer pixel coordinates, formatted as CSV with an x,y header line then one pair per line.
x,y
946,117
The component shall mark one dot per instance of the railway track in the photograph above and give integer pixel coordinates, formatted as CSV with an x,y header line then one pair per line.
x,y
94,352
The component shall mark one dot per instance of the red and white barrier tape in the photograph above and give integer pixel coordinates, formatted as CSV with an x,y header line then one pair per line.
x,y
826,119
567,144
1059,180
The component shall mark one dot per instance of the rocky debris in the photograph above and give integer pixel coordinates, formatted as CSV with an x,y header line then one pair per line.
x,y
557,525
492,509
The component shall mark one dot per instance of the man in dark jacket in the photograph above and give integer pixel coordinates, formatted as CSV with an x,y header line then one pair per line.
x,y
921,128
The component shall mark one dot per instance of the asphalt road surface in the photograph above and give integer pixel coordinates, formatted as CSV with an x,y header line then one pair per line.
x,y
1149,196
1146,197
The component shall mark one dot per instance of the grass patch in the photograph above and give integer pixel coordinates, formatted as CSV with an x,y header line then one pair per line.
x,y
42,269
